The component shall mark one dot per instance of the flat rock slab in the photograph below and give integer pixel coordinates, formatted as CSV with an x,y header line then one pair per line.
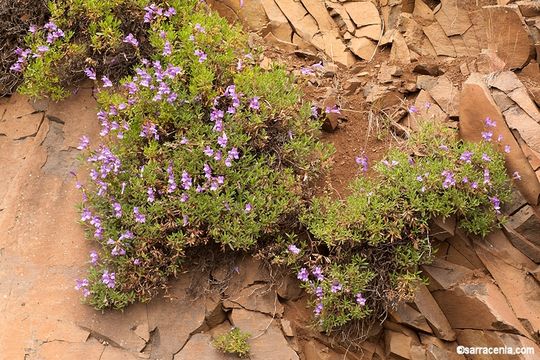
x,y
506,34
268,341
200,347
453,17
363,13
476,104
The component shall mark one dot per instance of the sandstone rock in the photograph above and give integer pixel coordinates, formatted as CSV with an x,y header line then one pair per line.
x,y
214,310
529,8
516,202
397,344
479,338
428,69
200,347
446,95
303,23
521,97
267,341
453,17
363,13
289,288
142,331
400,51
91,349
257,297
444,275
278,23
463,244
442,45
112,353
531,250
488,62
519,287
287,328
270,38
353,84
252,14
427,305
477,304
527,223
436,353
372,32
315,350
341,15
423,12
502,100
174,319
476,104
363,47
527,127
387,73
330,42
507,35
427,103
407,315
318,11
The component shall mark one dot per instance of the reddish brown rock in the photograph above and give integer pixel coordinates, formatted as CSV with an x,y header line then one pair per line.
x,y
477,304
407,315
257,297
400,51
453,17
200,347
278,23
442,44
397,344
446,95
427,305
267,341
363,13
529,249
476,104
445,275
527,223
507,35
363,47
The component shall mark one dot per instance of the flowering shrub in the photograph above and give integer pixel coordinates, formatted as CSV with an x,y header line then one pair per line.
x,y
94,33
199,146
367,249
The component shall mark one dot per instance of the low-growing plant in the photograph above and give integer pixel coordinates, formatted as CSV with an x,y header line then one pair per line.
x,y
365,251
199,147
233,342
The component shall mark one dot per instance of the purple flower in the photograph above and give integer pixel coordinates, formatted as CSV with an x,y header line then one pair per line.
x,y
82,285
91,73
167,49
363,162
187,182
222,140
507,149
184,197
427,105
169,12
86,214
118,251
485,157
199,28
413,109
318,309
233,153
117,210
94,257
443,147
448,179
314,111
317,272
306,71
487,135
487,177
130,39
185,220
33,28
208,151
336,286
360,300
466,157
303,275
499,138
200,54
149,129
319,292
490,123
334,109
42,49
140,218
247,208
151,195
83,142
106,82
108,279
137,262
172,183
474,185
293,249
496,204
390,163
516,176
254,103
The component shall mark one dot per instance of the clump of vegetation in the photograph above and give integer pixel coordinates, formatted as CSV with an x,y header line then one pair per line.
x,y
200,146
233,342
108,36
365,251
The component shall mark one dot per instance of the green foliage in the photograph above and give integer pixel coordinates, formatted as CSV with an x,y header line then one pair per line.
x,y
233,342
200,146
373,242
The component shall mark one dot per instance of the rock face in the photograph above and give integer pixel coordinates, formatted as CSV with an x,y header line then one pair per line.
x,y
268,341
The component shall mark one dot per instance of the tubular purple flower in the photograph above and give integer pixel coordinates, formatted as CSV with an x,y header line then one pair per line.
x,y
140,218
167,48
490,123
303,275
363,162
293,249
83,142
254,103
248,208
186,180
106,82
360,300
318,309
222,140
130,39
117,210
466,156
507,149
496,204
151,195
201,54
108,279
516,176
91,73
317,272
336,286
319,293
487,135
